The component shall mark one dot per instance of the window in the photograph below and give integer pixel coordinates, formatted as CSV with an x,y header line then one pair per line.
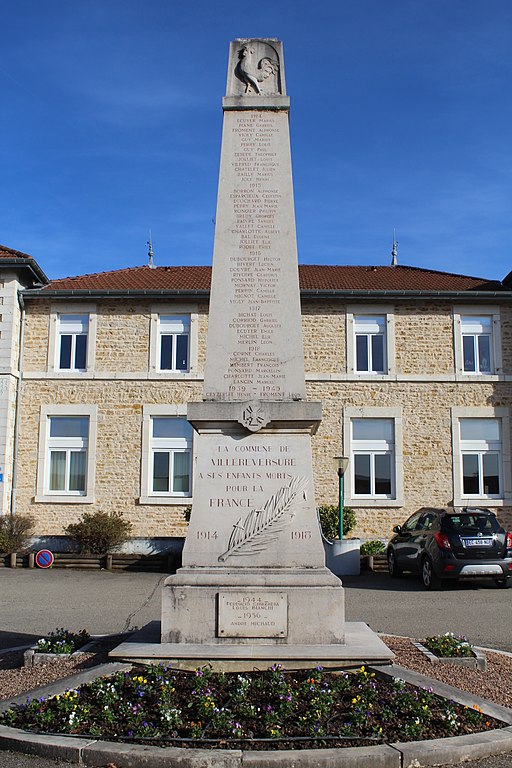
x,y
477,341
66,460
370,341
174,342
67,454
481,456
370,344
372,457
171,450
372,439
73,342
167,447
480,445
477,344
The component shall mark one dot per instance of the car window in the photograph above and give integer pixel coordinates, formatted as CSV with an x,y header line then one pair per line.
x,y
412,523
470,521
426,521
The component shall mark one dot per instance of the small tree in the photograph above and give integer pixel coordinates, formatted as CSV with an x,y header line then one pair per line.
x,y
99,532
15,531
329,520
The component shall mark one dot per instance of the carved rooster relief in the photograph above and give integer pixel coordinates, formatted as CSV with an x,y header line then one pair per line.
x,y
251,71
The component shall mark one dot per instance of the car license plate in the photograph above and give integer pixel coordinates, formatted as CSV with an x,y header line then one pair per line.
x,y
477,542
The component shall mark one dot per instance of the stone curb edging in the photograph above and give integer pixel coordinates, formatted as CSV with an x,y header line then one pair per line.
x,y
87,752
415,754
64,684
33,658
446,691
477,661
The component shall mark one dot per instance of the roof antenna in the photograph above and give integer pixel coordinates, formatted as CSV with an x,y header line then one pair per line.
x,y
150,252
394,250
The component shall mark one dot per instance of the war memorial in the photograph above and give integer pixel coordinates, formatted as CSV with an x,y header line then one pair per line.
x,y
253,583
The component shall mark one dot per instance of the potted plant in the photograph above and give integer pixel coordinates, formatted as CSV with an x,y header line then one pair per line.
x,y
342,555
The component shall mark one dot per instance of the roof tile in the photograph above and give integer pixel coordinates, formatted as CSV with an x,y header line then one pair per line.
x,y
10,253
312,277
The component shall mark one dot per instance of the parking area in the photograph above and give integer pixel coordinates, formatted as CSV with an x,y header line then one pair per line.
x,y
476,609
34,602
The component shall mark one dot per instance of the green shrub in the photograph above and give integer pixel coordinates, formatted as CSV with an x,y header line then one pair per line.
x,y
15,530
329,520
99,532
374,547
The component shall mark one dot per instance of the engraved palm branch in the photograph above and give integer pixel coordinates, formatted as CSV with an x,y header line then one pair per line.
x,y
262,526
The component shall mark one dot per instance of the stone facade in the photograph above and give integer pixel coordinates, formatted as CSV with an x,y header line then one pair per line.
x,y
423,388
17,272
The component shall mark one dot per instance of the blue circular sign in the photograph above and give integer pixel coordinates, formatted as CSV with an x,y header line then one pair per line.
x,y
44,558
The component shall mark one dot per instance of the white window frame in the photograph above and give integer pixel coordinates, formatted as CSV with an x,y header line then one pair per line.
x,y
43,494
386,312
459,447
176,310
350,447
147,496
58,311
461,313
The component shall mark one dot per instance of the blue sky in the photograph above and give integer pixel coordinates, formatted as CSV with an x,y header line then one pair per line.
x,y
401,117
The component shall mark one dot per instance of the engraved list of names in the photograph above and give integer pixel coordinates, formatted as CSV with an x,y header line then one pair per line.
x,y
254,344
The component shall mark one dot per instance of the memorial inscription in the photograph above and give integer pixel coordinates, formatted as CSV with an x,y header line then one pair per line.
x,y
255,218
256,491
253,614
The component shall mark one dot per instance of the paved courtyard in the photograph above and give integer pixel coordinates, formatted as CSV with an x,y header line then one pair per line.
x,y
33,603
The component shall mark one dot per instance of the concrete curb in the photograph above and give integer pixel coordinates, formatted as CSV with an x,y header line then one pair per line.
x,y
446,691
65,684
477,661
416,754
33,658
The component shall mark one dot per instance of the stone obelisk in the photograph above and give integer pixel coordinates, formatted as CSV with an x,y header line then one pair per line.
x,y
253,563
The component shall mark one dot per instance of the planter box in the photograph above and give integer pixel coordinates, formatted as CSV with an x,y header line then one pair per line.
x,y
343,557
477,661
33,658
375,563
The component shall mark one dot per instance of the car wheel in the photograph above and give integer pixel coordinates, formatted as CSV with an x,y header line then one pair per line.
x,y
428,575
503,583
393,569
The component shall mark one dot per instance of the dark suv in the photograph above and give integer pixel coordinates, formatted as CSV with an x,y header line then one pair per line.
x,y
442,544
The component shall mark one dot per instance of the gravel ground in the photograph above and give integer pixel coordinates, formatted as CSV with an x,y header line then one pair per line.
x,y
494,684
16,679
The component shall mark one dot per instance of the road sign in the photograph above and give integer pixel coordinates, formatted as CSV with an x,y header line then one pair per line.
x,y
44,558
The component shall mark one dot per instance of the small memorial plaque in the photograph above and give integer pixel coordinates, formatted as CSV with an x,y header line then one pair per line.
x,y
253,614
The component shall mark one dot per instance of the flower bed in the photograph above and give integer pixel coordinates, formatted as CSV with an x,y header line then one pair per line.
x,y
448,645
259,710
58,644
452,649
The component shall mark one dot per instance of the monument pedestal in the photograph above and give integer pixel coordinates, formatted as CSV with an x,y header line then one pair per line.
x,y
361,646
254,570
248,606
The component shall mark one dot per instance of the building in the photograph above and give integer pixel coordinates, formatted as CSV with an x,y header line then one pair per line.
x,y
17,272
413,368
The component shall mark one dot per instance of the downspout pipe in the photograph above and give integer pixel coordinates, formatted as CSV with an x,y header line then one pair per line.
x,y
17,413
